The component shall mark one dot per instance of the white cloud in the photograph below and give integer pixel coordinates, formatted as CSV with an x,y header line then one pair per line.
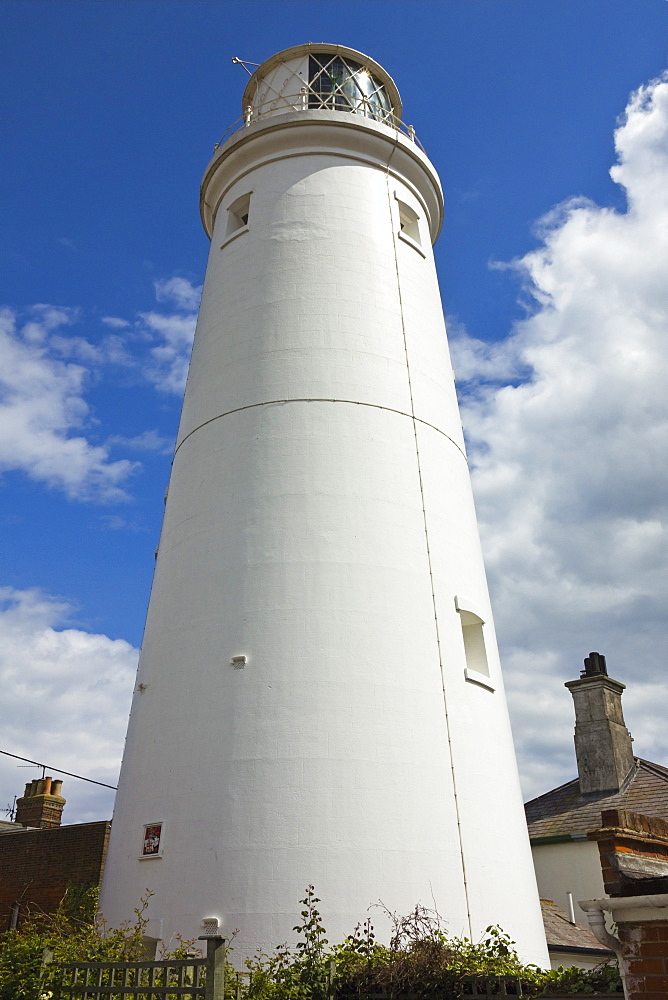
x,y
179,291
172,334
115,322
45,371
113,522
146,441
66,699
479,362
43,412
159,341
570,459
167,367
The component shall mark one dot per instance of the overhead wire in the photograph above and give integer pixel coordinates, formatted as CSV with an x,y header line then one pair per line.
x,y
58,770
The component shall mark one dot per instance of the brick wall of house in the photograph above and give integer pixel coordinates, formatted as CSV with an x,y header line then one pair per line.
x,y
634,852
634,861
645,953
36,866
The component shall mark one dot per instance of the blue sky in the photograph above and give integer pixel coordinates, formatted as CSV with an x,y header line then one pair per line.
x,y
111,112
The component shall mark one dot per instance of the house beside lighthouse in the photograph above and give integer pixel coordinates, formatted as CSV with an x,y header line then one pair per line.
x,y
319,697
576,856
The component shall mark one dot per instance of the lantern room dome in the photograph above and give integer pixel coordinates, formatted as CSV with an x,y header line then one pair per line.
x,y
317,76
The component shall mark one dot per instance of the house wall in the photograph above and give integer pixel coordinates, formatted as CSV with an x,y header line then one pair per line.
x,y
570,866
36,866
568,958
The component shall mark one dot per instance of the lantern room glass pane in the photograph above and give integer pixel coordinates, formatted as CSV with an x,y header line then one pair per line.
x,y
337,84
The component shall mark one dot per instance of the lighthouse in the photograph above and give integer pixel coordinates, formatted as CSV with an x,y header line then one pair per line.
x,y
319,697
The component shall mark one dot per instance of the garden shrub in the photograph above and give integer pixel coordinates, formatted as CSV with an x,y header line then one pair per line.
x,y
421,960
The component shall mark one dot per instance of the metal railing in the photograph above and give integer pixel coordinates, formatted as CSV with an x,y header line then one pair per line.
x,y
171,979
310,100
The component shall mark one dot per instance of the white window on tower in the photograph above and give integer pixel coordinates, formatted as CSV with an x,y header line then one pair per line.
x,y
409,226
237,217
477,666
408,222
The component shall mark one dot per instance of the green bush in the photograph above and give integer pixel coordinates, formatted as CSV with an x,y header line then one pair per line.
x,y
421,960
605,978
73,934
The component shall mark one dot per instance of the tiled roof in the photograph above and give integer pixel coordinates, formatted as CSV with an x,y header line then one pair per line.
x,y
561,933
564,812
7,827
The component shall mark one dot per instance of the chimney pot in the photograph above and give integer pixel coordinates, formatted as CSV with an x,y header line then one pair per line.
x,y
594,665
42,805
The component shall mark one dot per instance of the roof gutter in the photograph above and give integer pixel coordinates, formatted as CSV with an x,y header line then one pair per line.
x,y
594,910
657,900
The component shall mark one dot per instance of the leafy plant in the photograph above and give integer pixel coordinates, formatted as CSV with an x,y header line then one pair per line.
x,y
288,975
74,933
605,978
421,960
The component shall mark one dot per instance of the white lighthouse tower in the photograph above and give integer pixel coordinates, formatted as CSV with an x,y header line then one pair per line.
x,y
319,698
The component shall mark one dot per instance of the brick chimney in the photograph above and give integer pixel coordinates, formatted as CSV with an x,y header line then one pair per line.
x,y
41,804
602,741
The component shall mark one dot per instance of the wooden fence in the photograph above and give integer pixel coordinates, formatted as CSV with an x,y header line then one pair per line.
x,y
173,979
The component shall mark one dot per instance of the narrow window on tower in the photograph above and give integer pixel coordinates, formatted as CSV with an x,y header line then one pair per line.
x,y
409,226
477,667
237,217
